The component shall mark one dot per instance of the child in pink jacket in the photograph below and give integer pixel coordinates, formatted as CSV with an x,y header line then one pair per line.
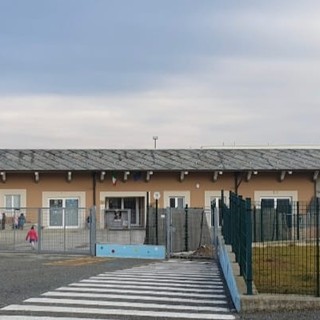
x,y
32,236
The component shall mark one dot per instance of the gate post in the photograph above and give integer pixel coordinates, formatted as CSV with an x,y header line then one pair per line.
x,y
169,236
93,231
39,229
186,226
214,218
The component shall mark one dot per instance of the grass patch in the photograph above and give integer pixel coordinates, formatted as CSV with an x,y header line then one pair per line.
x,y
285,269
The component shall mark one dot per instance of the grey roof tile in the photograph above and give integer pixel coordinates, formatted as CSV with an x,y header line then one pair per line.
x,y
159,159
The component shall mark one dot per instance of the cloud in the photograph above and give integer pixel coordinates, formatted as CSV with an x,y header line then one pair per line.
x,y
110,74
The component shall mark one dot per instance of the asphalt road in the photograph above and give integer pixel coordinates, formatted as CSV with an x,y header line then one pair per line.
x,y
28,275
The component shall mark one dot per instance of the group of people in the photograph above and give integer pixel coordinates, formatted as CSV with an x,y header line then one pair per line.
x,y
18,223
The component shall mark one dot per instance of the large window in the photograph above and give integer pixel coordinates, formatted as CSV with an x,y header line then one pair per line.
x,y
134,204
64,212
12,201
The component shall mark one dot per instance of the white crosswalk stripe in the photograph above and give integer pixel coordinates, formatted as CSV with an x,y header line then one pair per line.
x,y
174,289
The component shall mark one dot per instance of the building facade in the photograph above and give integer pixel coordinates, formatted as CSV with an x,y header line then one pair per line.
x,y
65,183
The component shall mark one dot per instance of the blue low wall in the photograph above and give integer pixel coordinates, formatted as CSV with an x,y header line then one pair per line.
x,y
130,251
226,266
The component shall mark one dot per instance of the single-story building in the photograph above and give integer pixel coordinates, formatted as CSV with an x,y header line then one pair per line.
x,y
135,179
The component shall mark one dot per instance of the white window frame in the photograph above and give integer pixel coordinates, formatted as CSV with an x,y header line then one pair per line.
x,y
50,195
167,195
119,194
64,213
275,194
209,196
13,192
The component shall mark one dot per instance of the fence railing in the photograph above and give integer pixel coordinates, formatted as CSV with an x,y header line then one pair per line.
x,y
286,247
285,235
237,232
77,230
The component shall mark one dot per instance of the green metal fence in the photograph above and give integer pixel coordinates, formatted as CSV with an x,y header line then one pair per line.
x,y
286,247
237,232
276,243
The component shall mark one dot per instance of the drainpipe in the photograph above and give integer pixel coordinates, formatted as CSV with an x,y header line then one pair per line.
x,y
237,181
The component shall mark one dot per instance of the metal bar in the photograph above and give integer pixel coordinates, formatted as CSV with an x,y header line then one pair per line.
x,y
317,249
186,235
249,276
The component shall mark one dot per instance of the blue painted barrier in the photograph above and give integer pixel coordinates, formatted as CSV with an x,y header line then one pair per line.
x,y
130,251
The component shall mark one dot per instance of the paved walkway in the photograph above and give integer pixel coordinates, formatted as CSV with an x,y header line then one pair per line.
x,y
174,289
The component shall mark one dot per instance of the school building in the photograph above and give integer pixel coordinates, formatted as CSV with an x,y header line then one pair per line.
x,y
135,179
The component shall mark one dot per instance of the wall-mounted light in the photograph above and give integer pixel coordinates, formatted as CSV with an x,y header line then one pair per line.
x,y
183,174
125,175
36,176
282,175
102,175
216,174
315,175
3,176
69,176
148,175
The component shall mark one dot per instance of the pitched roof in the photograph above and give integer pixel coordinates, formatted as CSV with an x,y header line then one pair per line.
x,y
233,159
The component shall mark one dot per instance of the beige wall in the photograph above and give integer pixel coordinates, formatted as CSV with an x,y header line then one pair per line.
x,y
299,182
195,184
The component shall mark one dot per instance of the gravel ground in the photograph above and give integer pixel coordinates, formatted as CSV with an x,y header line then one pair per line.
x,y
28,275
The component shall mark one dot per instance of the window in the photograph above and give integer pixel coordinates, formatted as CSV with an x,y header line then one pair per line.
x,y
134,204
63,212
277,216
177,202
12,201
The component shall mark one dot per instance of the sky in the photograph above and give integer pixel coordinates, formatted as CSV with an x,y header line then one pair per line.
x,y
114,74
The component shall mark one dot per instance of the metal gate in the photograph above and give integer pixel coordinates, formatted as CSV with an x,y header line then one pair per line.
x,y
59,230
185,230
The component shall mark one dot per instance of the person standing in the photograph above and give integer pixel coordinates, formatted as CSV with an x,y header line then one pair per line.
x,y
15,221
21,221
32,236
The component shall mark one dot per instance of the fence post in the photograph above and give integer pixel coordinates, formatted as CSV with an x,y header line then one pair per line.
x,y
147,240
248,219
156,223
186,230
298,221
93,231
317,248
169,236
214,213
39,229
254,224
261,223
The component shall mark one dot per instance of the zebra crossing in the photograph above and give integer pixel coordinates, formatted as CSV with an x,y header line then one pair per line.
x,y
174,289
